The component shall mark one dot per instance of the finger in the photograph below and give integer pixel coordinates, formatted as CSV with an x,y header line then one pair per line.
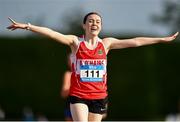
x,y
10,27
13,29
12,20
176,34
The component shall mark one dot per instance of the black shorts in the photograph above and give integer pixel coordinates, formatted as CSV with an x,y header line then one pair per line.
x,y
95,106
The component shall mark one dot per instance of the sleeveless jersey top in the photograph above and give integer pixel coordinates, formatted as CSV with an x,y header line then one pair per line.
x,y
88,79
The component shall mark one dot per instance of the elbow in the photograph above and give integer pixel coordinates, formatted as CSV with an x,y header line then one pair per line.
x,y
135,43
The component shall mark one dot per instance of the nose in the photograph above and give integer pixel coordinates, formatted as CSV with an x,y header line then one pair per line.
x,y
94,22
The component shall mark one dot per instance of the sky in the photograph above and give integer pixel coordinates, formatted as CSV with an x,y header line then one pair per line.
x,y
119,16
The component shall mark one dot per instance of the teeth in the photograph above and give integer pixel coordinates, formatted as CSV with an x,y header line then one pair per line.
x,y
93,30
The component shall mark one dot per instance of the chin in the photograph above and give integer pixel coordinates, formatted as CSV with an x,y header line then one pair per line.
x,y
95,33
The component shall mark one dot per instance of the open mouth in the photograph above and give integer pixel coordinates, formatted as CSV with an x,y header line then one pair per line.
x,y
94,28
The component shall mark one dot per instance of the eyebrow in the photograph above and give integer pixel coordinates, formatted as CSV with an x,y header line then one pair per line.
x,y
96,19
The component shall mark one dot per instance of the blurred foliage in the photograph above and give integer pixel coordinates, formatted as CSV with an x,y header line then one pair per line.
x,y
143,82
30,76
170,16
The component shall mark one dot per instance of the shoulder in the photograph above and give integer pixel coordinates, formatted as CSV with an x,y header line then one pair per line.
x,y
111,42
108,39
74,38
107,42
104,41
77,39
75,44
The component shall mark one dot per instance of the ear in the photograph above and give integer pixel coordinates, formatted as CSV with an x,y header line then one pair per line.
x,y
83,25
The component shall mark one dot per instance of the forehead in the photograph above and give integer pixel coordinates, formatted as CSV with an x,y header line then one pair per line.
x,y
94,16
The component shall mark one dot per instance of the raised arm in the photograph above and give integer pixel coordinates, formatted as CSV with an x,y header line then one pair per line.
x,y
113,43
70,40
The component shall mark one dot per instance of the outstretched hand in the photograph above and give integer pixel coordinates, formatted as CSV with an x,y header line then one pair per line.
x,y
15,25
170,38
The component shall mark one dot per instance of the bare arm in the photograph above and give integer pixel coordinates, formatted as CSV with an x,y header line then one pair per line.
x,y
64,39
66,84
113,43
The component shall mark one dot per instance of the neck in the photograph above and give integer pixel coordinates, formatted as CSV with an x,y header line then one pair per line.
x,y
91,39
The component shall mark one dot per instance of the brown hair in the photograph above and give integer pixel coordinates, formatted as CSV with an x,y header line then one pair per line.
x,y
86,16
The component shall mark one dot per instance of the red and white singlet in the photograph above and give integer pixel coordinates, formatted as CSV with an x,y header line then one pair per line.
x,y
88,79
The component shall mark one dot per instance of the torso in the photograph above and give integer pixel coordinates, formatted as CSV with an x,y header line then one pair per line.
x,y
88,79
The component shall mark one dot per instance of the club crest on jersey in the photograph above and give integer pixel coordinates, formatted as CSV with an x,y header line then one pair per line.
x,y
100,52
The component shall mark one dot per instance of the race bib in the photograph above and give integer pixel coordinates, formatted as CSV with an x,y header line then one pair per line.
x,y
92,72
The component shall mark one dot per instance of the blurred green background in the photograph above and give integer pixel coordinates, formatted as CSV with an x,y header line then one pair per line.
x,y
143,82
